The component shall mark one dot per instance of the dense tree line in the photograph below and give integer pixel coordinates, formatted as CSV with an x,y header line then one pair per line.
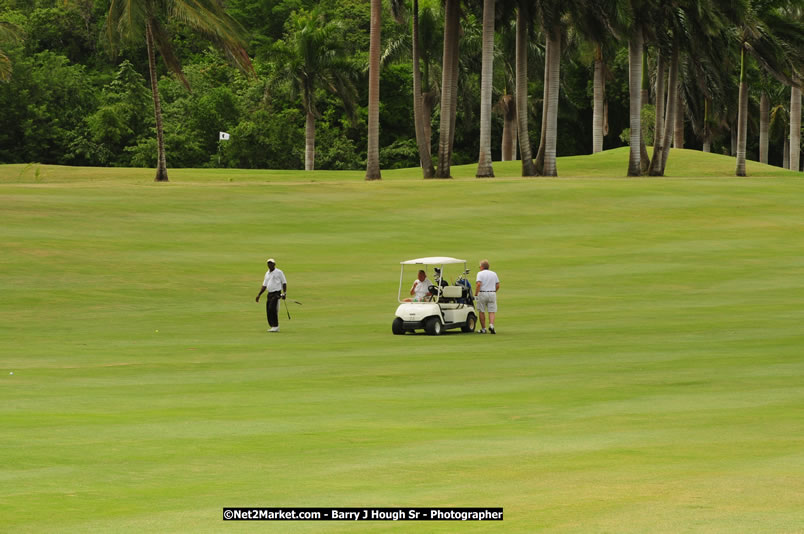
x,y
74,91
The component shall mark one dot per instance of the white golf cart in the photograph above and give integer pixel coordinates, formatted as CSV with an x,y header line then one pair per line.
x,y
447,305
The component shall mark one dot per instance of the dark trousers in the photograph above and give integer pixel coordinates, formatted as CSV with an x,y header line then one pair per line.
x,y
272,308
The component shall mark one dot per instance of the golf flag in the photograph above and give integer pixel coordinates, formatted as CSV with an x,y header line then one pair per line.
x,y
224,136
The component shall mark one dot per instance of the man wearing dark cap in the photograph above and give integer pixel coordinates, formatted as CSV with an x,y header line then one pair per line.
x,y
277,287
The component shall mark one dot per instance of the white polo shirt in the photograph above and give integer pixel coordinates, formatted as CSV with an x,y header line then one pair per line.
x,y
488,280
422,288
274,280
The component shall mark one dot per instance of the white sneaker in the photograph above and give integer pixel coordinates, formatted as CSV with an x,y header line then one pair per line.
x,y
481,331
274,329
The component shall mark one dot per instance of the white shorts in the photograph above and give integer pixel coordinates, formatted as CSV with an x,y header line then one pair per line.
x,y
487,301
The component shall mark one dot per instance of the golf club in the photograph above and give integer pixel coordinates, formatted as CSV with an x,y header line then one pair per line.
x,y
286,309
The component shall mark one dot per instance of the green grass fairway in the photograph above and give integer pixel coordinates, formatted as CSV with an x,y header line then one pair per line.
x,y
646,375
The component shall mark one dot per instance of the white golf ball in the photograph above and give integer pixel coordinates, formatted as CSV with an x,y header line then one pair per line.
x,y
11,373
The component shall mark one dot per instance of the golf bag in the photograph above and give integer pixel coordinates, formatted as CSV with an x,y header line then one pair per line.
x,y
466,291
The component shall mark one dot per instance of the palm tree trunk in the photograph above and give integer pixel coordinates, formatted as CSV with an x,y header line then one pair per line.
x,y
538,163
672,92
309,142
707,135
484,163
786,153
373,152
597,107
795,129
453,112
742,117
422,142
764,119
447,88
635,96
662,148
428,99
644,158
552,108
668,117
733,135
678,131
508,105
521,90
658,129
161,159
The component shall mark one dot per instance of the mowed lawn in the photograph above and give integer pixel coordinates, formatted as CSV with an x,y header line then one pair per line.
x,y
647,375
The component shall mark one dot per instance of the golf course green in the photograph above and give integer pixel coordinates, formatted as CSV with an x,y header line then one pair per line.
x,y
646,376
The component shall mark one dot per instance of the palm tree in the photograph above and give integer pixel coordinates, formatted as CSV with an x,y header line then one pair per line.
x,y
693,28
779,120
484,165
636,15
764,117
311,57
795,127
599,92
133,20
505,81
707,82
661,143
552,15
428,35
658,123
742,121
419,117
373,154
8,33
449,86
635,50
551,116
523,21
598,24
775,40
795,14
644,157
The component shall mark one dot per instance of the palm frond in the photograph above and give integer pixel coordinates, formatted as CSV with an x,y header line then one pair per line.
x,y
10,33
165,47
397,49
209,18
779,120
5,67
125,21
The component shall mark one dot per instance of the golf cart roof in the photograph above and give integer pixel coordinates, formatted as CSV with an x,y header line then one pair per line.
x,y
433,260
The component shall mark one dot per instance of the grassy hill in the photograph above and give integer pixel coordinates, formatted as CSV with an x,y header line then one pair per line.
x,y
608,164
646,375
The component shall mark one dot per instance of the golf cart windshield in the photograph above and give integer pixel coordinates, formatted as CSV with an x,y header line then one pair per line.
x,y
437,262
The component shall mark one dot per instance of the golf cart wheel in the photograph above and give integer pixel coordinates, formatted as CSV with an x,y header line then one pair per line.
x,y
433,326
470,323
396,327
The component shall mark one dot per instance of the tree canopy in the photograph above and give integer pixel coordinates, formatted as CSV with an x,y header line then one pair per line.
x,y
67,99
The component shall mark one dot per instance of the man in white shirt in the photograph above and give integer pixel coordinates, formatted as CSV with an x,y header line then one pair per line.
x,y
486,289
277,287
421,288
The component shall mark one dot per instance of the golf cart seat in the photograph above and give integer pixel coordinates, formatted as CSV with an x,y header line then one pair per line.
x,y
451,292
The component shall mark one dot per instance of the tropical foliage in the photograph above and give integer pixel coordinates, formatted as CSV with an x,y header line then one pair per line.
x,y
80,84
